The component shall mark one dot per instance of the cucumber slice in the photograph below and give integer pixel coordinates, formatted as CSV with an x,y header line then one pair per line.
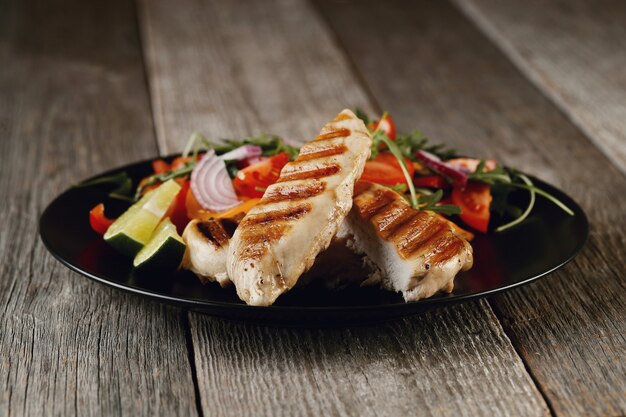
x,y
164,252
133,229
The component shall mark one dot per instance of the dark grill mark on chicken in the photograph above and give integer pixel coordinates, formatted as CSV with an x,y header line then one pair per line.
x,y
322,152
216,232
259,239
411,230
293,193
393,216
369,209
293,172
290,213
339,133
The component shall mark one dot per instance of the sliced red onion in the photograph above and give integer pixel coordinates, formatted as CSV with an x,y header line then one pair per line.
x,y
211,185
242,152
433,162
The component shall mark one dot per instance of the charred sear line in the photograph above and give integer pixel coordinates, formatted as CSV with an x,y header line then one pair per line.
x,y
445,248
258,240
293,193
214,232
392,218
318,153
372,204
339,133
423,240
291,174
290,213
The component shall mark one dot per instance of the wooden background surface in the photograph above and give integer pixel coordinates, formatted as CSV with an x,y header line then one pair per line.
x,y
540,85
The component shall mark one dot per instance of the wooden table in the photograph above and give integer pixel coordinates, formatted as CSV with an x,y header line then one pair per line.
x,y
540,85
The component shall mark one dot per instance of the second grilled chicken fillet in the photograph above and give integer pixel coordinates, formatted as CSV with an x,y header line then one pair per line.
x,y
207,246
297,217
416,252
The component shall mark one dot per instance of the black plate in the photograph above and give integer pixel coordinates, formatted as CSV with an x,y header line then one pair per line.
x,y
547,240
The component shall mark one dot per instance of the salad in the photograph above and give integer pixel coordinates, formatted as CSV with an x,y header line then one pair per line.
x,y
224,180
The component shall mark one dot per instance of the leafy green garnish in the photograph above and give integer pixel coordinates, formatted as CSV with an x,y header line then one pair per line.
x,y
498,175
429,202
121,181
270,144
398,188
526,212
506,177
378,137
362,115
165,176
408,143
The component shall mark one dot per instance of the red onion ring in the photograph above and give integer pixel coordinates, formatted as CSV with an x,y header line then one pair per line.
x,y
431,161
211,185
242,152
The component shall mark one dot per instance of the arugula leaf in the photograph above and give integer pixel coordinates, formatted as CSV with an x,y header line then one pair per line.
x,y
398,188
164,176
511,178
121,181
498,175
270,145
429,202
407,143
523,215
362,115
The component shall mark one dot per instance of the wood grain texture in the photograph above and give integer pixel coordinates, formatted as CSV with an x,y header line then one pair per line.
x,y
284,74
442,75
74,102
575,51
454,362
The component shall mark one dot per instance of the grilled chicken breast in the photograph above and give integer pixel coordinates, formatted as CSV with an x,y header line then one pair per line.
x,y
298,216
207,249
415,252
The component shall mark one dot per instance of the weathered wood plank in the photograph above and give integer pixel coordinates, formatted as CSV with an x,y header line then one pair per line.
x,y
439,73
74,102
575,52
250,66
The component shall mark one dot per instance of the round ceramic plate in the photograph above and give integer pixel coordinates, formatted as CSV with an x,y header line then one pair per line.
x,y
547,240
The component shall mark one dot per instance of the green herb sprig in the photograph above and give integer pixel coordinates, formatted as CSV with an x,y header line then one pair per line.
x,y
430,202
501,176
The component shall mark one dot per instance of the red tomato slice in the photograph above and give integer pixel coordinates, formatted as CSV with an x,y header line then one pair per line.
x,y
385,169
431,181
98,221
179,162
253,180
244,163
474,200
177,211
160,166
386,125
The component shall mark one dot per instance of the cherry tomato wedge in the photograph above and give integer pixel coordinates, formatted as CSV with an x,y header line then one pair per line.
x,y
160,166
98,221
179,162
386,124
474,200
178,210
254,179
385,169
431,181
